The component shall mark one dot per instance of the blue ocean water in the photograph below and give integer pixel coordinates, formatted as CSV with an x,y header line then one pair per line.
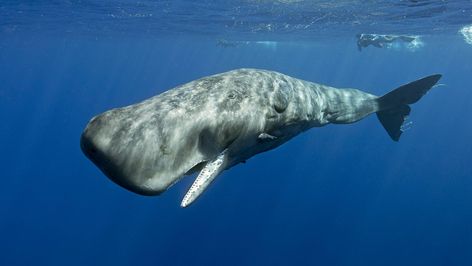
x,y
337,195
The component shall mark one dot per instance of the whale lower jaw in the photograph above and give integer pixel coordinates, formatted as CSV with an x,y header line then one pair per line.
x,y
209,172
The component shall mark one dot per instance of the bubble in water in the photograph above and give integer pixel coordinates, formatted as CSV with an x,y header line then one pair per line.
x,y
406,126
466,31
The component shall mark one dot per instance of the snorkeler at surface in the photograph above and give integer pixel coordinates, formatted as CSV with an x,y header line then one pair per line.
x,y
381,40
227,44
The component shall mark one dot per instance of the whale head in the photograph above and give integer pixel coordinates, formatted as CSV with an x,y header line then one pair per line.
x,y
107,142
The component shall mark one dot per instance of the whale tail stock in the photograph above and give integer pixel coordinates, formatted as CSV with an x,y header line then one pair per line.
x,y
394,106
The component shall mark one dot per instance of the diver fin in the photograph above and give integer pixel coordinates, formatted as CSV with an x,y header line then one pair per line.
x,y
206,176
394,106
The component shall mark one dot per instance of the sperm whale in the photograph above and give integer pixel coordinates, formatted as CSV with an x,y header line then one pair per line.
x,y
213,123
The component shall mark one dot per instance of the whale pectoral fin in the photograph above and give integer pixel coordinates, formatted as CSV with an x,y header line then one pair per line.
x,y
206,176
263,137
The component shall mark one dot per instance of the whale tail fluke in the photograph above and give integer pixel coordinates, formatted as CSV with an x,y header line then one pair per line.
x,y
394,106
393,119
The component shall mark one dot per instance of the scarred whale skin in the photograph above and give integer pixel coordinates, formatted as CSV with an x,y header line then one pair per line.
x,y
212,124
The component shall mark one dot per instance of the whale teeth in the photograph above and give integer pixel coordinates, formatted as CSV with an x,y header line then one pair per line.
x,y
206,176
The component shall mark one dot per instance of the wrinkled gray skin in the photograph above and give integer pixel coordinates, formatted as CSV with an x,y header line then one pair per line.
x,y
148,146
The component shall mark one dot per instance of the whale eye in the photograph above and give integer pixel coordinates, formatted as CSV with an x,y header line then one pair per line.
x,y
235,94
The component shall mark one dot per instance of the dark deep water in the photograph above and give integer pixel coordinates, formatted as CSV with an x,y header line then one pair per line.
x,y
337,195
